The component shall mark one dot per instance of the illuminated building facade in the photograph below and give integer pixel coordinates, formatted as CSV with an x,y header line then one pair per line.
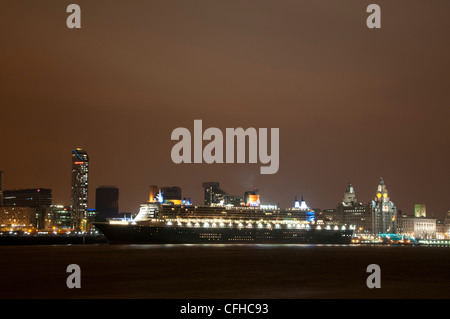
x,y
417,227
213,194
352,212
60,217
384,212
17,217
233,200
420,210
106,202
32,197
38,198
79,198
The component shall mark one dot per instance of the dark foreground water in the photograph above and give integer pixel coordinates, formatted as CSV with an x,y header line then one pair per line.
x,y
224,271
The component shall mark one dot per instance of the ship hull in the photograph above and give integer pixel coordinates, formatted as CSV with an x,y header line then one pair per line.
x,y
145,234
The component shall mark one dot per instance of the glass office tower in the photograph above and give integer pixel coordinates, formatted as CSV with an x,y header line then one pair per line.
x,y
79,198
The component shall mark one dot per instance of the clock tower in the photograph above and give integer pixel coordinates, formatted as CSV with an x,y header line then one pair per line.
x,y
384,212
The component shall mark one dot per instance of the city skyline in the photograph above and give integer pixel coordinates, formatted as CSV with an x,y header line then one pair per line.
x,y
200,201
352,104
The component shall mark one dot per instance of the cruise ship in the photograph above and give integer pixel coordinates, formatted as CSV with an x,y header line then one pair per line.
x,y
169,223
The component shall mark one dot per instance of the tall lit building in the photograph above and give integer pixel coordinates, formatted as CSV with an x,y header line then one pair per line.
x,y
107,202
79,198
384,212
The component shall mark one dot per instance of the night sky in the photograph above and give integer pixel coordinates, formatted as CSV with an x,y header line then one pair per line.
x,y
352,104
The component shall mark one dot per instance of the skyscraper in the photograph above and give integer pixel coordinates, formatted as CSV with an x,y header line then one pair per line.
x,y
384,212
107,202
79,198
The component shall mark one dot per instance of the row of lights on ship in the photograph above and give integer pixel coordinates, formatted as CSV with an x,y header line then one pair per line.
x,y
259,225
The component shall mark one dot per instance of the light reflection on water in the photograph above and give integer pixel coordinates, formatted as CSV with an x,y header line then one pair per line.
x,y
264,246
225,271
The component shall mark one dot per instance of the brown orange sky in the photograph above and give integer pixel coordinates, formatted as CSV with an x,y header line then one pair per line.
x,y
352,104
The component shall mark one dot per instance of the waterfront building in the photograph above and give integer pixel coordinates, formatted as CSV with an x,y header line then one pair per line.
x,y
91,217
79,192
350,211
417,227
17,217
329,215
384,212
442,229
213,194
106,202
38,198
60,216
31,197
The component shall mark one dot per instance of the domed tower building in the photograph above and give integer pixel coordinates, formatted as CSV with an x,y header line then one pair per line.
x,y
384,212
351,212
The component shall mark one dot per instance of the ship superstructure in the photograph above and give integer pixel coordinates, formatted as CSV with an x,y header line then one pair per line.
x,y
172,223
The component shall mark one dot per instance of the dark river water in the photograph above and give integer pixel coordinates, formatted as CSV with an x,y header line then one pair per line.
x,y
224,271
